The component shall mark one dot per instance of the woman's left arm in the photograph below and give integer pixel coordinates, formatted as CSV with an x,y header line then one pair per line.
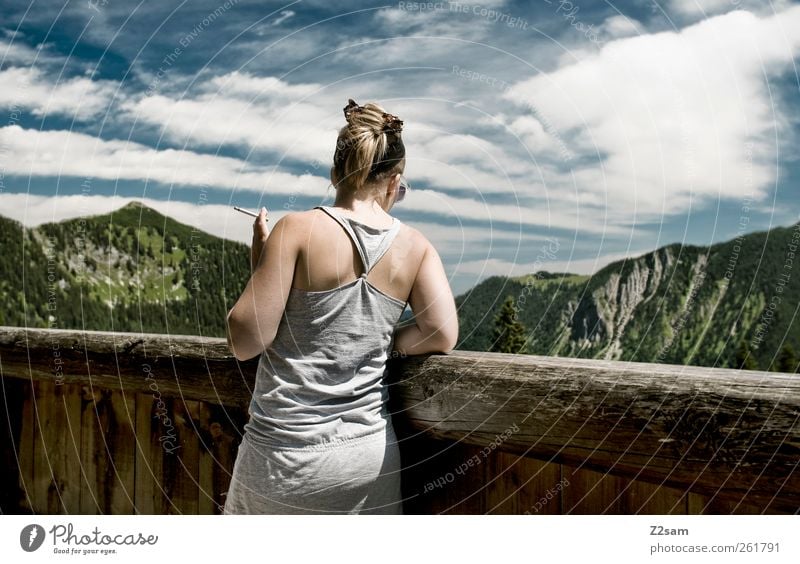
x,y
253,321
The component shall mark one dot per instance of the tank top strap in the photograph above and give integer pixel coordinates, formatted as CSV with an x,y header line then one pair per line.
x,y
371,242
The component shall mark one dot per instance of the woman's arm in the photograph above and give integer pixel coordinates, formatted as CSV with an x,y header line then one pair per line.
x,y
431,300
253,321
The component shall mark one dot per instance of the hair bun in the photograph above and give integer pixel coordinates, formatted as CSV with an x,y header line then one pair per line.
x,y
369,148
391,123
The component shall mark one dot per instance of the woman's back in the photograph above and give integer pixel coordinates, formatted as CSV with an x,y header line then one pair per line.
x,y
321,380
330,257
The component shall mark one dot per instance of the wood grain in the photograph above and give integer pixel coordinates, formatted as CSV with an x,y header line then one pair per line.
x,y
634,437
685,427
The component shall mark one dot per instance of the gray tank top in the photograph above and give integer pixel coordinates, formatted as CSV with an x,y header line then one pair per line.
x,y
322,379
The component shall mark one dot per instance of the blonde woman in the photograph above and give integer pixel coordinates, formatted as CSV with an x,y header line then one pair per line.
x,y
328,286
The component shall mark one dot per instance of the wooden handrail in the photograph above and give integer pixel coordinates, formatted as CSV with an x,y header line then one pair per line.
x,y
184,366
712,431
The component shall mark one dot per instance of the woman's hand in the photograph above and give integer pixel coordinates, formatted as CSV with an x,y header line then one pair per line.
x,y
260,235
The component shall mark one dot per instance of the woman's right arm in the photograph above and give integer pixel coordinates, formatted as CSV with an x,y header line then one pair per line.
x,y
431,300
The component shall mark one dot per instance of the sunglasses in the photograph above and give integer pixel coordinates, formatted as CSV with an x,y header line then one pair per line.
x,y
402,189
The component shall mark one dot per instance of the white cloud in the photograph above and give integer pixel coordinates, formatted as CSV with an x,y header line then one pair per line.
x,y
432,201
259,113
455,241
78,97
425,24
673,117
621,26
13,51
269,114
692,10
248,86
30,152
702,7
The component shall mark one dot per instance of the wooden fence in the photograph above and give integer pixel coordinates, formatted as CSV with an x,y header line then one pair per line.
x,y
123,423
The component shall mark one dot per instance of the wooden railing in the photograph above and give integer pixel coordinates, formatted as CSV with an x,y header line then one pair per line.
x,y
101,422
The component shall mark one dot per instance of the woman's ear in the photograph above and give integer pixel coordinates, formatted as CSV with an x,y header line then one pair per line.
x,y
394,184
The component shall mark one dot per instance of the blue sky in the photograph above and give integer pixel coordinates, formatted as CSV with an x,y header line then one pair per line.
x,y
612,128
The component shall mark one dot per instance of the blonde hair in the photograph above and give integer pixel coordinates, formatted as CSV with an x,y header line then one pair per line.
x,y
369,148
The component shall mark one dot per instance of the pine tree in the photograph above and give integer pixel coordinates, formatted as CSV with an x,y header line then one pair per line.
x,y
787,360
509,335
744,359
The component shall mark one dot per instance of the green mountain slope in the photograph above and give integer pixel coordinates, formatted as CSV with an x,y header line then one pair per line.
x,y
678,304
133,269
137,270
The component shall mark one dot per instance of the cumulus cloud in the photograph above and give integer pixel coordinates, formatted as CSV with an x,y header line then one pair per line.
x,y
78,97
239,109
620,26
68,153
672,117
704,7
32,152
694,9
550,217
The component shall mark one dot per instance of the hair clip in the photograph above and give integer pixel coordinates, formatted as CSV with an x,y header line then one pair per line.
x,y
392,123
350,109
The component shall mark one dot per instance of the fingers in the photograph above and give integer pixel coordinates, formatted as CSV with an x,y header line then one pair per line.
x,y
261,220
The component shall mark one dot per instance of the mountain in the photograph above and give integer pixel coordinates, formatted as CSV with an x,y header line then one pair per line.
x,y
679,304
133,269
137,270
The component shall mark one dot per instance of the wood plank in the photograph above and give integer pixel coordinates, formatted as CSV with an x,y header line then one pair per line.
x,y
92,492
164,467
107,453
227,429
64,447
143,482
708,505
13,396
185,457
466,494
150,495
26,448
120,439
591,493
206,504
642,498
44,414
428,469
519,485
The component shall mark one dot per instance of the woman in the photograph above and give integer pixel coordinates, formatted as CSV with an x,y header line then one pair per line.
x,y
328,286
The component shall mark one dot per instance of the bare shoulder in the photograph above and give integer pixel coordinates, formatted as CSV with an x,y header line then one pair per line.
x,y
302,220
300,216
416,239
293,227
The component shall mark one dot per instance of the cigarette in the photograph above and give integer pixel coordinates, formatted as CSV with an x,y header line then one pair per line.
x,y
248,212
